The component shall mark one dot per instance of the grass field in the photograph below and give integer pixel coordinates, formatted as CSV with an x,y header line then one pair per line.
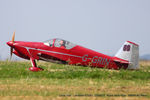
x,y
72,82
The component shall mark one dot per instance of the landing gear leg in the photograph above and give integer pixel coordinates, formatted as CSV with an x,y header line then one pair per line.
x,y
34,67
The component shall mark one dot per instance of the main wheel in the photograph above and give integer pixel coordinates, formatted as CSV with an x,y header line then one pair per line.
x,y
35,69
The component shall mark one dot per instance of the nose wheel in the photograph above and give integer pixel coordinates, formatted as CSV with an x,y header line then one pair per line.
x,y
34,67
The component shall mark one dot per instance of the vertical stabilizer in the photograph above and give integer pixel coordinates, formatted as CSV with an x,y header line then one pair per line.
x,y
130,52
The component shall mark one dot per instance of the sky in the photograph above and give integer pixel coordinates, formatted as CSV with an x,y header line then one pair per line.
x,y
100,25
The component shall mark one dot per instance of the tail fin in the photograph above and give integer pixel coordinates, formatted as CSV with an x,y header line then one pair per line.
x,y
130,52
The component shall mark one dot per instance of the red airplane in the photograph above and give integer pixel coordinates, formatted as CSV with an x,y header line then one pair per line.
x,y
62,51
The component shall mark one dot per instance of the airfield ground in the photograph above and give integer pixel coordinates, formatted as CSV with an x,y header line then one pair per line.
x,y
72,82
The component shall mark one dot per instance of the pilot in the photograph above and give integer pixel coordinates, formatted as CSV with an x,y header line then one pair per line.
x,y
62,44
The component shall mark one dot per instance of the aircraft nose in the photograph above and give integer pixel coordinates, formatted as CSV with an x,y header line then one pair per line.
x,y
10,43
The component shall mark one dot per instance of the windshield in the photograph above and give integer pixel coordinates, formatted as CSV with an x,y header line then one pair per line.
x,y
49,42
60,43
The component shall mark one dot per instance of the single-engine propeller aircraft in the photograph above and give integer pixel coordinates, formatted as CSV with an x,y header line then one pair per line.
x,y
62,51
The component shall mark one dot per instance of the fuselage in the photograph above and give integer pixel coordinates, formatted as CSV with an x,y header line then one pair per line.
x,y
76,55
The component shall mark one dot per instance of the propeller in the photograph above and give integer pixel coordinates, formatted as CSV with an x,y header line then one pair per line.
x,y
11,49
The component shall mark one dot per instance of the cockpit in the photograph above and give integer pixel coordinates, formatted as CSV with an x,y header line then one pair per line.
x,y
60,43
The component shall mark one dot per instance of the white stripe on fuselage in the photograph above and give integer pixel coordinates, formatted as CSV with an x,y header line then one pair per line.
x,y
50,52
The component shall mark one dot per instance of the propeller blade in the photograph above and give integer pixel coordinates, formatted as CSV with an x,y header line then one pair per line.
x,y
13,37
11,51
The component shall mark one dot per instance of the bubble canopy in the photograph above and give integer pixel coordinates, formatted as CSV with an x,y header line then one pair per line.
x,y
59,43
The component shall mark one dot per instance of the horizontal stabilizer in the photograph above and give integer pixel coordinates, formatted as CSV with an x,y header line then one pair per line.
x,y
120,61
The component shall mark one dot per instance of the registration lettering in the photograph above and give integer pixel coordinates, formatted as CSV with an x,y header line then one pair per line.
x,y
96,60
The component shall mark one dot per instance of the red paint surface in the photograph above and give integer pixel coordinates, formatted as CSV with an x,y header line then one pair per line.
x,y
77,55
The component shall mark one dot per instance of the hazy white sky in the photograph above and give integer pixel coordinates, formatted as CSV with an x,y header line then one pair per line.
x,y
101,25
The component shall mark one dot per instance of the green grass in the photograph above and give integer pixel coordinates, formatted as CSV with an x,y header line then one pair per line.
x,y
17,81
20,70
